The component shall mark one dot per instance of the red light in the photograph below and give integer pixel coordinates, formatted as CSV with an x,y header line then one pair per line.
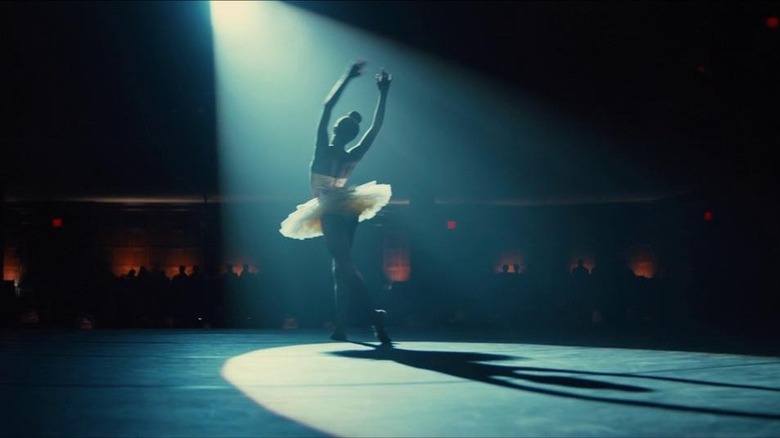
x,y
772,22
451,225
56,222
707,215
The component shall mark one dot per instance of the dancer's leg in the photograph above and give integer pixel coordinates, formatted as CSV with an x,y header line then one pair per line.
x,y
339,234
337,242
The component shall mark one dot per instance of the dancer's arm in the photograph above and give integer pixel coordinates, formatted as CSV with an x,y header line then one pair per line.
x,y
383,80
355,70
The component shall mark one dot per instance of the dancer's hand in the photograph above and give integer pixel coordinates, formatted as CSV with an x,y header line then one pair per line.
x,y
383,80
356,68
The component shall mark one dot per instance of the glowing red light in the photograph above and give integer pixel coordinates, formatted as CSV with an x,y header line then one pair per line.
x,y
56,222
707,215
451,225
772,22
700,69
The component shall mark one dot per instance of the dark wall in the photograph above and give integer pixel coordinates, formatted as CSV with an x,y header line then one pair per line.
x,y
710,270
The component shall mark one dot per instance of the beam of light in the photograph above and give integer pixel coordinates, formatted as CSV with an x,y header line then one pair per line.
x,y
232,17
449,131
446,126
12,266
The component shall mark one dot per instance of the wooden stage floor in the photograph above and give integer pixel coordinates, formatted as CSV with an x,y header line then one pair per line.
x,y
253,383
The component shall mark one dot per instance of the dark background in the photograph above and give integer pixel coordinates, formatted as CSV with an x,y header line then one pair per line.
x,y
117,98
108,98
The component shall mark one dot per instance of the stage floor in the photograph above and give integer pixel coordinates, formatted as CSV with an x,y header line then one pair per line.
x,y
230,383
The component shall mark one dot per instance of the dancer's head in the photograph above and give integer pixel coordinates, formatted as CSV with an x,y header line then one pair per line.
x,y
346,128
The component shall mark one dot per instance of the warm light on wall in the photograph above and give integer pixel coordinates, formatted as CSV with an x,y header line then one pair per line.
x,y
396,258
187,257
11,266
125,259
238,266
131,250
642,262
643,269
510,258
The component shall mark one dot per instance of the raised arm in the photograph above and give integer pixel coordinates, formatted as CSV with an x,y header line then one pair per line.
x,y
355,70
383,80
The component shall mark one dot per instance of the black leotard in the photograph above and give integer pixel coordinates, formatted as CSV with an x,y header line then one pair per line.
x,y
330,169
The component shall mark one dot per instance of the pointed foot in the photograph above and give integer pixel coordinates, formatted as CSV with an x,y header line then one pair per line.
x,y
379,327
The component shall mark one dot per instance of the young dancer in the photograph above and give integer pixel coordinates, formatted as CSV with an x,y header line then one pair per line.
x,y
336,209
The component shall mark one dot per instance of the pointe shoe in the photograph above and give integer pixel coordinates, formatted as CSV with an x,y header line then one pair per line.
x,y
379,327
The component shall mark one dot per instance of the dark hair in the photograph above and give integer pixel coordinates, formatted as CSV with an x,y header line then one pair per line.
x,y
349,125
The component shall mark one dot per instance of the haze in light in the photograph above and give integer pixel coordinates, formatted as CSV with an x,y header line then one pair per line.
x,y
449,131
446,126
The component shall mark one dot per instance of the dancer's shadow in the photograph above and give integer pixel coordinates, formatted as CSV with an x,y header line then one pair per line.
x,y
472,366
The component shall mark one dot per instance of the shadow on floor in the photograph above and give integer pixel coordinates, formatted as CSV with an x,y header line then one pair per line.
x,y
550,381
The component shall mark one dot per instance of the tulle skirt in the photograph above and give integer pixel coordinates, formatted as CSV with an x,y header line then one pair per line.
x,y
363,201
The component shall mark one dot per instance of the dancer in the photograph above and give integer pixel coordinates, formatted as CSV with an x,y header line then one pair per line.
x,y
336,209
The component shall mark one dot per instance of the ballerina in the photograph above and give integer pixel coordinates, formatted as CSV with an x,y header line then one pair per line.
x,y
335,209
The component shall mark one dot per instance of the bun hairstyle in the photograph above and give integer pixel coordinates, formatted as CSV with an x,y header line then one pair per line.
x,y
348,126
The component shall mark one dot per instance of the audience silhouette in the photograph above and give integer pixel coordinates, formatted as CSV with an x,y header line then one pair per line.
x,y
609,295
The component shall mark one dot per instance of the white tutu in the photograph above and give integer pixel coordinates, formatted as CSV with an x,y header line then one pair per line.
x,y
363,201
